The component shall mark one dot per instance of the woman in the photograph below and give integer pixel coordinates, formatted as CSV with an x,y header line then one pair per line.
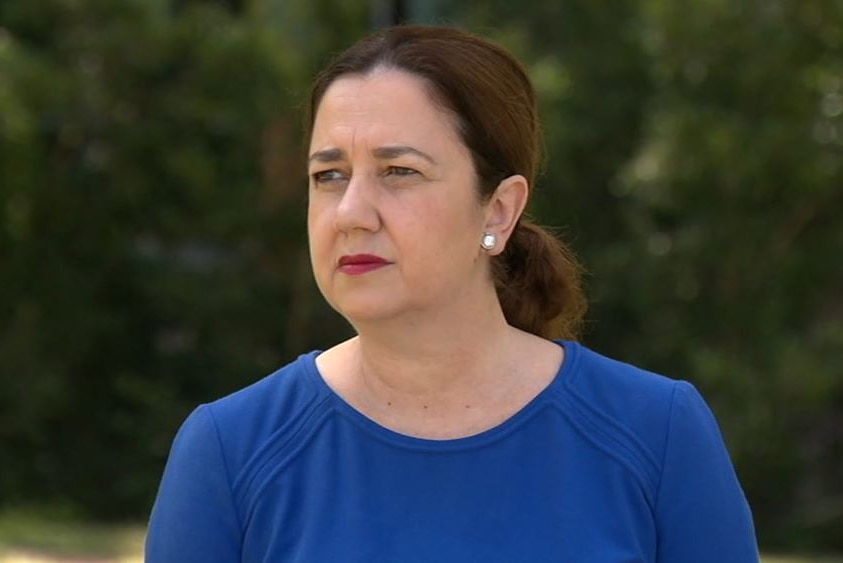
x,y
452,428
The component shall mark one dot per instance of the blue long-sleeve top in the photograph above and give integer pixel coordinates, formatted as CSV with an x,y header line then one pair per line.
x,y
608,464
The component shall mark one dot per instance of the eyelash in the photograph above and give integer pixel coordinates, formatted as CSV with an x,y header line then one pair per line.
x,y
324,176
402,171
333,175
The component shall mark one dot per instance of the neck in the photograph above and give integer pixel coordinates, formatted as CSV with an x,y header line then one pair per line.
x,y
445,375
441,354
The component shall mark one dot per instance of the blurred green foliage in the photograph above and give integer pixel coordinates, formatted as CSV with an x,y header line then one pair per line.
x,y
151,211
152,238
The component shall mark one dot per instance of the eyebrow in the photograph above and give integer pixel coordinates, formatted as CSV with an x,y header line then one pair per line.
x,y
384,153
327,155
395,151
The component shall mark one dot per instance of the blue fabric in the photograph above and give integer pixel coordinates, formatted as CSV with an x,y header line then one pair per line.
x,y
608,464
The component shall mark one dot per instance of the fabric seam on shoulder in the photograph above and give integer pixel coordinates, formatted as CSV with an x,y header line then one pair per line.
x,y
649,458
260,475
611,445
226,469
247,472
667,435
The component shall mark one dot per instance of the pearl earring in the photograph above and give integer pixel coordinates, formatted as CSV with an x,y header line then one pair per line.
x,y
489,241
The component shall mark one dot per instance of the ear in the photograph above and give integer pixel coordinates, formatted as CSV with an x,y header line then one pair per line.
x,y
504,209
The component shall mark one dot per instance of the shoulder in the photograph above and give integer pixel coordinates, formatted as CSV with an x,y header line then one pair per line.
x,y
217,453
286,390
633,396
627,411
246,420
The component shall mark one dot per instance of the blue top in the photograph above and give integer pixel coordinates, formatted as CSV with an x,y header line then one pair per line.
x,y
608,464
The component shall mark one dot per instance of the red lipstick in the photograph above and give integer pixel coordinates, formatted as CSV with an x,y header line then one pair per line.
x,y
358,264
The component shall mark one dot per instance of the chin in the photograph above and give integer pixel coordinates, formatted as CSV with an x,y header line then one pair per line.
x,y
362,314
365,307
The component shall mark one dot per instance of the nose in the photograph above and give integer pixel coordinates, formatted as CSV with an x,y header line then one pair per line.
x,y
357,208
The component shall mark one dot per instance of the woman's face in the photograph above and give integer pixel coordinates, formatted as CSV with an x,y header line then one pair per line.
x,y
394,218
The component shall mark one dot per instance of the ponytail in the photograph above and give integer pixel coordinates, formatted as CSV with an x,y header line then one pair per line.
x,y
539,283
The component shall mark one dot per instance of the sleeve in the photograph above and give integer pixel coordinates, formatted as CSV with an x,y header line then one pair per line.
x,y
194,518
702,515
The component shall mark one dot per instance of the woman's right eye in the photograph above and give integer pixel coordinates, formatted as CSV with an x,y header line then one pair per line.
x,y
326,176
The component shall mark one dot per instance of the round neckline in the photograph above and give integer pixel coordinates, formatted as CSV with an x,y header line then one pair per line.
x,y
571,355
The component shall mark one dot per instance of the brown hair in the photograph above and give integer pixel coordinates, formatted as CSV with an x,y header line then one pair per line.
x,y
538,279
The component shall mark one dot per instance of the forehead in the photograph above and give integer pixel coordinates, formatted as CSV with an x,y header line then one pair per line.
x,y
383,106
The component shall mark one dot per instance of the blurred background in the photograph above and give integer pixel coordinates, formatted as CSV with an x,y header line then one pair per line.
x,y
152,222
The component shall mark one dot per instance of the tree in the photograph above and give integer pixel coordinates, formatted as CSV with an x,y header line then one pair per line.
x,y
144,233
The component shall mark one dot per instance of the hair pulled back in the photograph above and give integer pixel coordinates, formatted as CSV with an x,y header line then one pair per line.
x,y
488,92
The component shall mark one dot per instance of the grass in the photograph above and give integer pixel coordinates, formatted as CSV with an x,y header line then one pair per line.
x,y
29,538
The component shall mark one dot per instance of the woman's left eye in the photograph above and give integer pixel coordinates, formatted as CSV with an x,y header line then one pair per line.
x,y
401,171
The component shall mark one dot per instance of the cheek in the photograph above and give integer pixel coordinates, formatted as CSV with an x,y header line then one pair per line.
x,y
318,218
319,236
458,223
442,236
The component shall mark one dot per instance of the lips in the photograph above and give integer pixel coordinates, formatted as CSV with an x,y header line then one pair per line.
x,y
358,264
